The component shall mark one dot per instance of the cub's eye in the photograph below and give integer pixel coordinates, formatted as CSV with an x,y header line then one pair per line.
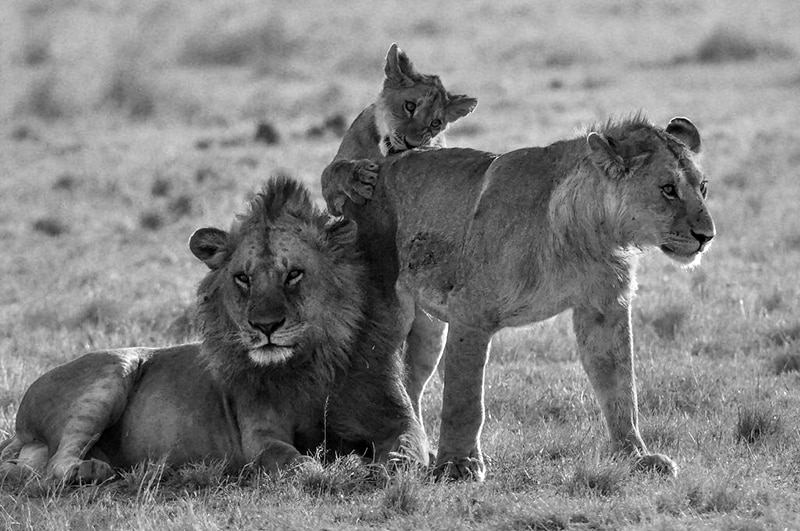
x,y
669,191
294,277
436,124
410,106
704,189
242,280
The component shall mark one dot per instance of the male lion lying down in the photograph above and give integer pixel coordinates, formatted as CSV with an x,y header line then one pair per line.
x,y
294,354
487,241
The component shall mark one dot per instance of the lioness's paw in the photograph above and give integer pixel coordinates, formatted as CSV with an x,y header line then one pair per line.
x,y
659,463
460,469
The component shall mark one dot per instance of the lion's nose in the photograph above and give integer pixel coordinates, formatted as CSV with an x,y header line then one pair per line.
x,y
703,236
267,327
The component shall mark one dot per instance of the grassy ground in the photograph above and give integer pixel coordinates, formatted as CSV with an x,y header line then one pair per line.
x,y
125,126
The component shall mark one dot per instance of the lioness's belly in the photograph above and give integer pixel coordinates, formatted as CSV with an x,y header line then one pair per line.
x,y
176,412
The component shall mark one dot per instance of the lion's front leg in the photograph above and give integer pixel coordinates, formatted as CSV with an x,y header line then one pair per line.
x,y
605,346
348,179
466,354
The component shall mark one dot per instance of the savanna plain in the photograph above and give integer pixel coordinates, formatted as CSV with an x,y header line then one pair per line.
x,y
124,126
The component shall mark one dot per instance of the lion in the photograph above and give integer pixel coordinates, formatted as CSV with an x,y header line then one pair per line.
x,y
486,241
412,111
294,355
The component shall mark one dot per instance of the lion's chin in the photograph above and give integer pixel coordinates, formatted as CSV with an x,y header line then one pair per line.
x,y
687,260
270,354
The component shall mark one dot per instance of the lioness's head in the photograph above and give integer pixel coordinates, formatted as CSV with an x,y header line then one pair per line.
x,y
284,280
662,192
414,108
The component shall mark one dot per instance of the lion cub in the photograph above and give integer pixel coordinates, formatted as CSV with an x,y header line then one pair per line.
x,y
412,111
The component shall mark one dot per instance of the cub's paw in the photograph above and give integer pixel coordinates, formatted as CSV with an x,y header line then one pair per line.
x,y
659,463
361,184
459,469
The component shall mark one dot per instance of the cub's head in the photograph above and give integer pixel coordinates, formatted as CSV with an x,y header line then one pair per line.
x,y
413,108
284,286
661,191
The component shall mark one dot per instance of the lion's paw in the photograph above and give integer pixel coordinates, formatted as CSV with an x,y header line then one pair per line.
x,y
659,463
460,469
83,471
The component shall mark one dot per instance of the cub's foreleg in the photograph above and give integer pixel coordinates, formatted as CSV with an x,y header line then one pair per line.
x,y
605,346
348,179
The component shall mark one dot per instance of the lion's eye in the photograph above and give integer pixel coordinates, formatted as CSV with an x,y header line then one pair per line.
x,y
294,277
704,189
436,123
669,191
410,106
243,280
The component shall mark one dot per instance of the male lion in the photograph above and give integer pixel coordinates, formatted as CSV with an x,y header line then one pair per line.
x,y
293,354
487,241
412,111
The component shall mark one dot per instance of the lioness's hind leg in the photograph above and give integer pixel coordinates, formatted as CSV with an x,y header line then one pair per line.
x,y
22,460
424,348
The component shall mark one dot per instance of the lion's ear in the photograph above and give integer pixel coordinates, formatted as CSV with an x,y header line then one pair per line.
x,y
341,236
399,69
209,245
458,106
684,130
604,156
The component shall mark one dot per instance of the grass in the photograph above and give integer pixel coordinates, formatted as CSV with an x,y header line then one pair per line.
x,y
126,129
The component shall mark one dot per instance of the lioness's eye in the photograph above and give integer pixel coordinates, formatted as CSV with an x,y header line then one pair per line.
x,y
293,277
669,191
436,123
410,106
703,189
242,280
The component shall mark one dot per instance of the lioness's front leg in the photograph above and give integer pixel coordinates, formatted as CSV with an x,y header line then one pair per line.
x,y
605,346
465,356
348,179
424,348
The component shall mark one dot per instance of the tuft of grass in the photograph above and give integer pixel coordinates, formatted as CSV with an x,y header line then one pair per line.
x,y
50,226
784,335
42,99
668,323
403,493
65,181
98,312
151,220
756,422
344,476
180,206
700,496
267,133
604,477
161,187
786,363
128,92
726,44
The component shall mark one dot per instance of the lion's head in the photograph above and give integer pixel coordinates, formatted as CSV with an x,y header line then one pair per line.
x,y
659,191
284,291
413,108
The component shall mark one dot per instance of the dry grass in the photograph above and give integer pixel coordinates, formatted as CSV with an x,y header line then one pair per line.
x,y
130,126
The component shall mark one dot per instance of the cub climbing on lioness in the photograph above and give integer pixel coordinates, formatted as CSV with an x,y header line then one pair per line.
x,y
412,111
485,241
295,354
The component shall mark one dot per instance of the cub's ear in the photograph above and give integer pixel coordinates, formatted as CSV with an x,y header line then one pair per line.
x,y
399,69
684,130
609,157
209,245
458,106
340,236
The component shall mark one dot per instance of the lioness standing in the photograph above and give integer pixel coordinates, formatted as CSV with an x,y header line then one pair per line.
x,y
487,241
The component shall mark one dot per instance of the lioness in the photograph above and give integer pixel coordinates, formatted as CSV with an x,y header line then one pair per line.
x,y
487,241
412,111
294,353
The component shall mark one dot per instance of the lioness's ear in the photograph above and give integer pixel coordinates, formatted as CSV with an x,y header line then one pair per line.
x,y
209,245
341,236
399,69
684,130
458,106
